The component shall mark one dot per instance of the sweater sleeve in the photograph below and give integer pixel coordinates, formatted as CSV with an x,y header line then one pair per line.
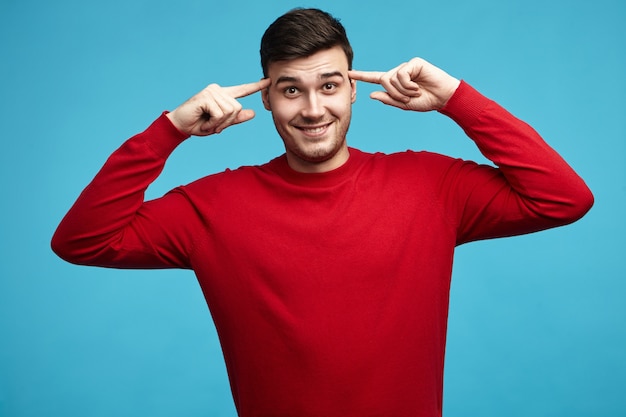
x,y
110,225
531,189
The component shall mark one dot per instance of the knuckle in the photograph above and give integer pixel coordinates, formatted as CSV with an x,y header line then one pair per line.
x,y
217,114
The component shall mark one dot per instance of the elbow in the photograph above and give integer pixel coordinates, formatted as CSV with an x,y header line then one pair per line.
x,y
579,205
69,249
563,208
585,203
62,247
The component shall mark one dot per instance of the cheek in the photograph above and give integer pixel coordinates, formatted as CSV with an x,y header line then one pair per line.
x,y
340,108
282,122
283,110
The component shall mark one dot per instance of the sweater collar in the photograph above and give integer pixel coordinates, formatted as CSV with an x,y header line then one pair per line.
x,y
318,179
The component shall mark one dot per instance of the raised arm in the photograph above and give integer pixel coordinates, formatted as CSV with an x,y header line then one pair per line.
x,y
111,225
531,189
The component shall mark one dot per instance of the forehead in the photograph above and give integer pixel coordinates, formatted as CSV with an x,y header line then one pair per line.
x,y
312,67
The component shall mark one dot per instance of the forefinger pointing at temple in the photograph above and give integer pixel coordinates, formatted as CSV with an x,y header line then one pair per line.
x,y
367,76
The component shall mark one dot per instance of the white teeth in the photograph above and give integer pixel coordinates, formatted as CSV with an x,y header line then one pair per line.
x,y
315,130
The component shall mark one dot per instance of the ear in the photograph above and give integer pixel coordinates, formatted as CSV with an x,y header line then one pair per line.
x,y
353,92
265,96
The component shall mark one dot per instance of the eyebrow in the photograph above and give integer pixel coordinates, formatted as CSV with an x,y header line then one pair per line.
x,y
324,76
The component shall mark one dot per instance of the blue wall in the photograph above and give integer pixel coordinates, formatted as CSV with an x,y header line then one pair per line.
x,y
537,323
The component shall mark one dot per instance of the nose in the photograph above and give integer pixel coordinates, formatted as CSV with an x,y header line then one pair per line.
x,y
313,107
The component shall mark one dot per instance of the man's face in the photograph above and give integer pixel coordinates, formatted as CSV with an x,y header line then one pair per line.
x,y
311,103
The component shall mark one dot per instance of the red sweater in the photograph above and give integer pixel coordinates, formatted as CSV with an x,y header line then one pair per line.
x,y
329,291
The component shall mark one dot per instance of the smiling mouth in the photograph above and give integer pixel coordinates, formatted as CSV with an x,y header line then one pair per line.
x,y
313,130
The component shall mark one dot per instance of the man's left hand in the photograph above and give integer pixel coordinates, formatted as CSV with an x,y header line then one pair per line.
x,y
415,85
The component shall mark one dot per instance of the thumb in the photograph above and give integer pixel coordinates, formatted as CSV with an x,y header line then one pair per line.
x,y
244,115
385,98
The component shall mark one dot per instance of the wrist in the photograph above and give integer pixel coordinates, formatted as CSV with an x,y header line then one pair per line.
x,y
168,133
449,91
171,116
465,105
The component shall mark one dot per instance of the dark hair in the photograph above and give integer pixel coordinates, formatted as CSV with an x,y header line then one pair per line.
x,y
301,33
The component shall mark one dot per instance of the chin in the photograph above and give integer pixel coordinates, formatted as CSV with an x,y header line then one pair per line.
x,y
322,153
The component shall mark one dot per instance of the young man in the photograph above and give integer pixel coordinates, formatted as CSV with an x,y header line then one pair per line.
x,y
326,270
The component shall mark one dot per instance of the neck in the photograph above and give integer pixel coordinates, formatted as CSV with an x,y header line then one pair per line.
x,y
312,167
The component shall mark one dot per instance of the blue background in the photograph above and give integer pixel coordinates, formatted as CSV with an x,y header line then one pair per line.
x,y
537,323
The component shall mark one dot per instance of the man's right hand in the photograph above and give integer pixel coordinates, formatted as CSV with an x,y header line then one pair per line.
x,y
215,108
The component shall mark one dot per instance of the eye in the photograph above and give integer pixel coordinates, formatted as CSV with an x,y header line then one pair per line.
x,y
329,87
290,91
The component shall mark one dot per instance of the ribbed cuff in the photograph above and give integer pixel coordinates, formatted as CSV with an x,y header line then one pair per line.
x,y
465,105
163,136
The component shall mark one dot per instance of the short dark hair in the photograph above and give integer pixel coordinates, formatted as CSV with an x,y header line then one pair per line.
x,y
300,33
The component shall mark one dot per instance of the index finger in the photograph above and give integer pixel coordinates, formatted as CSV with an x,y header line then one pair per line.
x,y
367,76
242,90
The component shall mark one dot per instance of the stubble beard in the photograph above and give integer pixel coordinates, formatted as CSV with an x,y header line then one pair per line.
x,y
317,152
